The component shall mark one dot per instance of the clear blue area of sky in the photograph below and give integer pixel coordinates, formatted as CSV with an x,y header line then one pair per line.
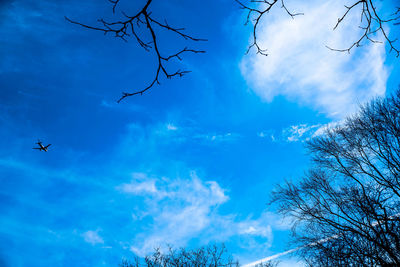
x,y
60,82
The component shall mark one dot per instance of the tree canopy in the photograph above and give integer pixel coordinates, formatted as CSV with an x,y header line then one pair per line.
x,y
346,208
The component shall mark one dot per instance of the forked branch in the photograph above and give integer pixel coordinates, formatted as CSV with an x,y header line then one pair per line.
x,y
370,23
129,26
255,14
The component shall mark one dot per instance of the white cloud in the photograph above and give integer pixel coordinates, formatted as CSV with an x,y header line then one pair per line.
x,y
322,128
183,209
140,187
301,68
300,132
93,237
170,132
217,137
171,127
261,134
296,133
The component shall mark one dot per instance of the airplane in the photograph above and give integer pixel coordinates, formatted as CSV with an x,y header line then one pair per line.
x,y
41,147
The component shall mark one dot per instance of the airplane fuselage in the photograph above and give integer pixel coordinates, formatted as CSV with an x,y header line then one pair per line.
x,y
41,147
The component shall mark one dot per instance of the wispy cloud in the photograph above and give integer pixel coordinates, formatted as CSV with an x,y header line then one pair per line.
x,y
176,132
299,132
217,137
301,68
93,237
115,105
183,209
261,134
171,127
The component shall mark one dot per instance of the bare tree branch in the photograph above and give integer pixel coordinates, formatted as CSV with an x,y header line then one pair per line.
x,y
129,26
258,12
371,22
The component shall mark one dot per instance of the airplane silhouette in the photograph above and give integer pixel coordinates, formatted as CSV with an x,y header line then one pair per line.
x,y
41,147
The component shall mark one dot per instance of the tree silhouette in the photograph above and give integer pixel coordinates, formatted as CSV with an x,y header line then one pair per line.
x,y
347,207
212,255
207,256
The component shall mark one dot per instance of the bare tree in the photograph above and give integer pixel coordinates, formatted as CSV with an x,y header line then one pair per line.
x,y
132,25
371,21
212,255
347,207
207,256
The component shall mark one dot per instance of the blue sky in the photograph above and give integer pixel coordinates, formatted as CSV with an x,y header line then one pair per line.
x,y
189,163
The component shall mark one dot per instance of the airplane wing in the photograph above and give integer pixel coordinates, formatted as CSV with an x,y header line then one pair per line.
x,y
36,148
47,146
